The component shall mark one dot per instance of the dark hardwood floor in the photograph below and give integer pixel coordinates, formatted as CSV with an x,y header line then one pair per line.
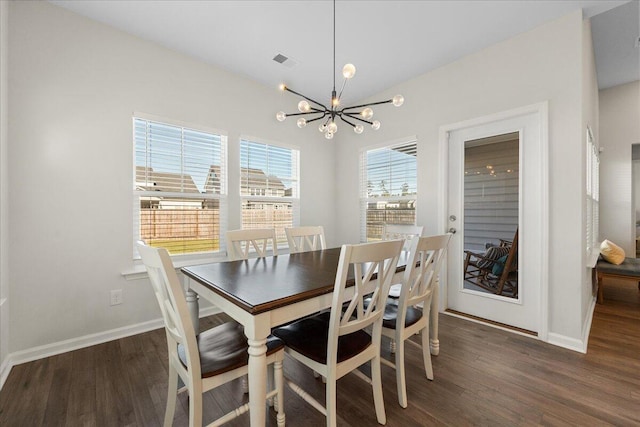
x,y
483,376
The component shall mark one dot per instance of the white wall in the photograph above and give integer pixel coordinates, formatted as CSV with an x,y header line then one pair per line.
x,y
542,64
589,119
619,129
4,185
73,86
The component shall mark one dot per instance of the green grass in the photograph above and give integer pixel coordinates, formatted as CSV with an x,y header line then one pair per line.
x,y
185,246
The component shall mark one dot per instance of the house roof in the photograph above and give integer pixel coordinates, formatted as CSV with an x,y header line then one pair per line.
x,y
148,179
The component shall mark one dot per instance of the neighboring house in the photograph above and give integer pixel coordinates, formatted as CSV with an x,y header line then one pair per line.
x,y
254,182
214,182
149,180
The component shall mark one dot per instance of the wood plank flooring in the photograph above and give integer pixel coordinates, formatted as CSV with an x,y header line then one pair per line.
x,y
483,376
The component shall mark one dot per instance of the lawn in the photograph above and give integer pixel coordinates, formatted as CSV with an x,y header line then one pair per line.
x,y
185,246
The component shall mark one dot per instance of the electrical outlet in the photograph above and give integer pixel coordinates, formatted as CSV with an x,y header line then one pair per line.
x,y
116,296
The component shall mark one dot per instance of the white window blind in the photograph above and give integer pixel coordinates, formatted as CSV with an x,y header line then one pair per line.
x,y
388,188
179,188
269,187
593,201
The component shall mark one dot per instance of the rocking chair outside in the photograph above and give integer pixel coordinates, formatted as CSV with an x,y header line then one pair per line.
x,y
495,270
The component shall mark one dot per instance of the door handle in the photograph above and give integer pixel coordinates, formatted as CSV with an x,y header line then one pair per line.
x,y
452,230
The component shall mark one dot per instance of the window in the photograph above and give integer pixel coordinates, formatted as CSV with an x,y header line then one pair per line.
x,y
269,187
388,188
593,200
491,190
180,187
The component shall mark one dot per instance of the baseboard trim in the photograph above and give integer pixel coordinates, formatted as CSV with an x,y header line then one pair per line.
x,y
65,346
566,342
579,345
5,368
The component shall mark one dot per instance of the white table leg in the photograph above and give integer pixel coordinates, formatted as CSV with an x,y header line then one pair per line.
x,y
257,329
193,305
434,343
257,381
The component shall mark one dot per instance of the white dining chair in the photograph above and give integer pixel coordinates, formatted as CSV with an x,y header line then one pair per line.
x,y
215,357
400,231
403,318
307,238
336,343
240,243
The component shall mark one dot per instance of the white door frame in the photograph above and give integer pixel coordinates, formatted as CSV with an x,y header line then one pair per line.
x,y
542,110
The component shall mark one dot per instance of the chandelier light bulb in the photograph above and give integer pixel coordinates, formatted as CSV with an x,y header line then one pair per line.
x,y
348,71
375,125
322,127
304,106
332,128
301,122
328,135
282,87
280,116
367,113
358,129
398,100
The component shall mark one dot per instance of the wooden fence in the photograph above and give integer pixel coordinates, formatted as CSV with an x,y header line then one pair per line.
x,y
179,223
377,218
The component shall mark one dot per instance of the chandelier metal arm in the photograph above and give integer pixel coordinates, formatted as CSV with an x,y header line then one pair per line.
x,y
317,118
305,97
347,121
308,112
355,116
367,105
344,83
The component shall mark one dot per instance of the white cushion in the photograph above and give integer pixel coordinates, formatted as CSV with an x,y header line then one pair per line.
x,y
611,252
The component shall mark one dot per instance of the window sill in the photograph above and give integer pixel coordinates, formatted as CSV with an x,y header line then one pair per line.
x,y
139,271
592,259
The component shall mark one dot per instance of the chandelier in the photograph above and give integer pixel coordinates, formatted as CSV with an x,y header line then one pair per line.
x,y
354,115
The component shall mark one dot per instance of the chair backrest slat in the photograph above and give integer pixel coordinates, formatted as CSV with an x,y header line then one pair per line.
x,y
307,238
241,242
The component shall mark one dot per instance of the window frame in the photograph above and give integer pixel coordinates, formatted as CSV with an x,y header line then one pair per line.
x,y
362,172
592,195
222,197
294,199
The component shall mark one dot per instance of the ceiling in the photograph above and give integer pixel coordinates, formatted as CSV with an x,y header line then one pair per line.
x,y
388,41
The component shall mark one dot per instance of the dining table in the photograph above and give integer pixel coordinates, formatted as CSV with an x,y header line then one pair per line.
x,y
262,293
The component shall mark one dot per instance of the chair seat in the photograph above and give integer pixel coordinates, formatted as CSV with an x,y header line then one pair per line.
x,y
391,316
309,337
224,348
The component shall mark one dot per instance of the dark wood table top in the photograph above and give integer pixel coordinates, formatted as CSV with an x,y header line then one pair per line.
x,y
261,284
